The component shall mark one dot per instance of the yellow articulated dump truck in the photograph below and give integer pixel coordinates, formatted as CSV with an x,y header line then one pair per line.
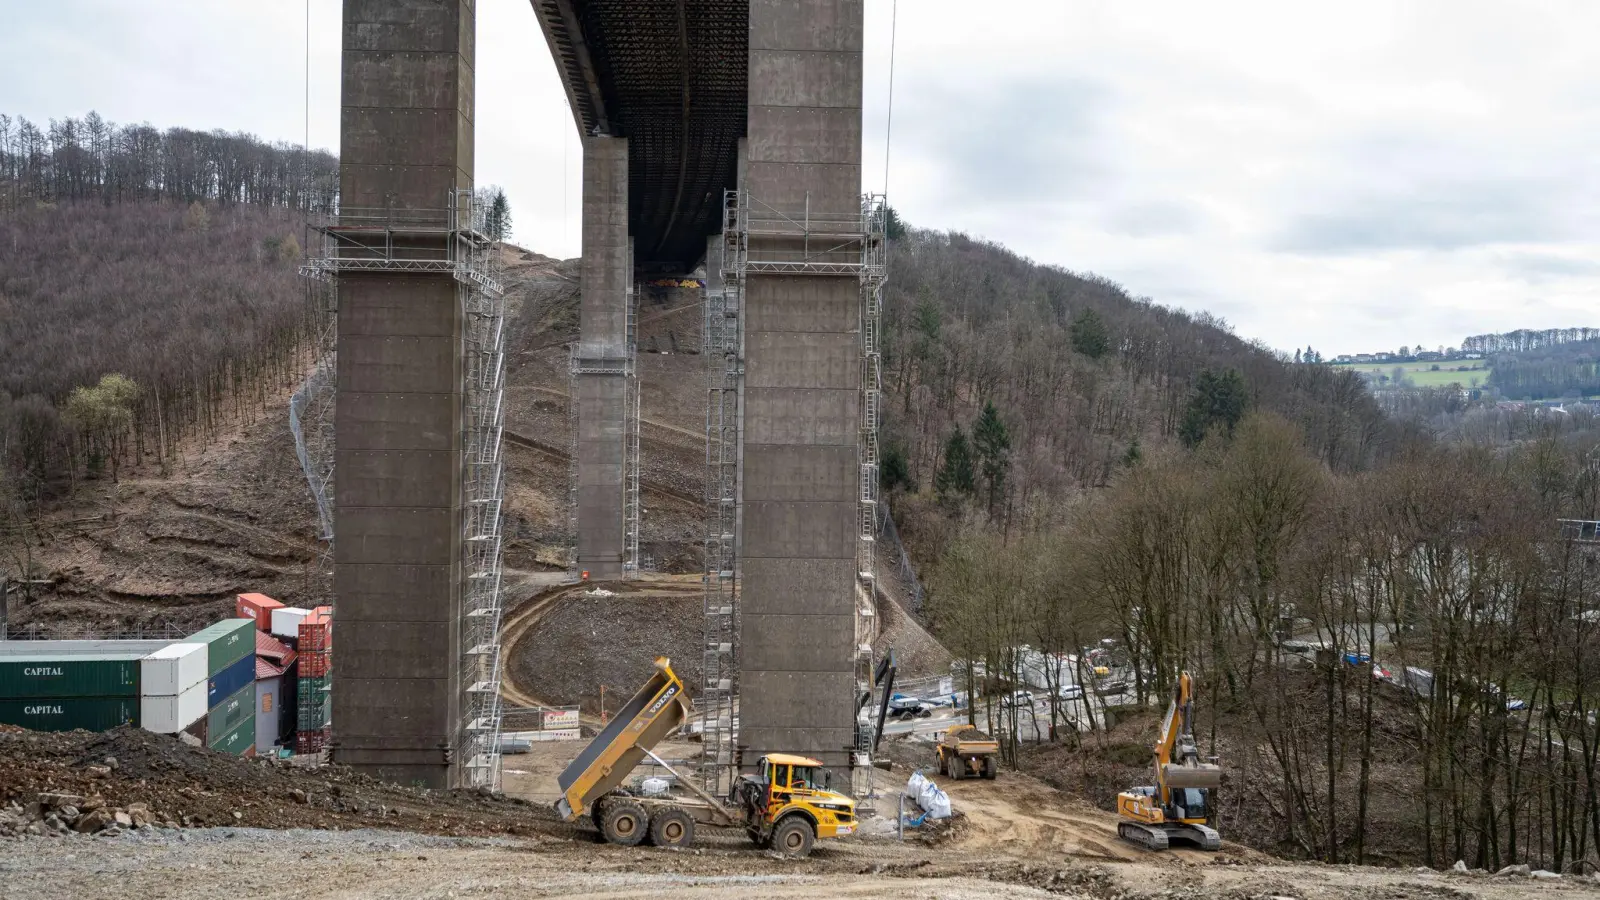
x,y
785,806
966,752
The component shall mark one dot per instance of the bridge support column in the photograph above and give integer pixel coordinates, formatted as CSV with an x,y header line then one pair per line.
x,y
801,474
405,152
603,362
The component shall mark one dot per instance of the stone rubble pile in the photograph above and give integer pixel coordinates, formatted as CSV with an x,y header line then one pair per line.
x,y
57,814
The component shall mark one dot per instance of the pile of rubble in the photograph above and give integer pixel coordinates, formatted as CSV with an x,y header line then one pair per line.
x,y
56,813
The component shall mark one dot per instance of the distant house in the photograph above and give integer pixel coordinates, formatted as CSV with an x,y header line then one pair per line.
x,y
1472,356
1364,358
1344,358
1383,357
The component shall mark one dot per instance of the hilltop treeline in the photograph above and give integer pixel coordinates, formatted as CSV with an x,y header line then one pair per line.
x,y
1081,374
193,310
1564,369
1525,339
73,160
1452,714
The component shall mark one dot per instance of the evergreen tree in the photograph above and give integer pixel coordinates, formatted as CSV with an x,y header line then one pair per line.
x,y
956,479
1218,399
894,227
497,218
1089,335
895,471
1134,454
993,445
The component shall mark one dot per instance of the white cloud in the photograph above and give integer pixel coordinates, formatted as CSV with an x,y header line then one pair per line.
x,y
1353,176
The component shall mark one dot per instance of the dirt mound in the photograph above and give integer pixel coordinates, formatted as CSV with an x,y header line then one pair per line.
x,y
199,787
586,639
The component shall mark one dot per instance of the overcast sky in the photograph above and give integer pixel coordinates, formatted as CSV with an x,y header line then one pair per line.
x,y
1353,175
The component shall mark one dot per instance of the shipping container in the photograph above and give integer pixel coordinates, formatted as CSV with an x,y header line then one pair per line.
x,y
61,672
227,715
226,643
172,670
310,741
226,683
258,609
314,665
172,714
316,631
286,621
76,648
238,741
67,713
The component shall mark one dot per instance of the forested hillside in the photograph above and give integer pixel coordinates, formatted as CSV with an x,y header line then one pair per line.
x,y
1549,371
1083,379
148,279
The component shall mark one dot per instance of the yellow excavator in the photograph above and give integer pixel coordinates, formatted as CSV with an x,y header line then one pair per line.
x,y
1178,808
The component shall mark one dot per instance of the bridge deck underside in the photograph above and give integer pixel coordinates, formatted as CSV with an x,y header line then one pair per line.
x,y
670,76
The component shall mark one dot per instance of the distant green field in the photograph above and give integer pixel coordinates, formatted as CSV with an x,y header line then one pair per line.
x,y
1422,375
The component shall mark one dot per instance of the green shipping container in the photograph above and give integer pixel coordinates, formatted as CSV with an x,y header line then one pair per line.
x,y
314,704
32,676
226,716
67,713
241,739
226,642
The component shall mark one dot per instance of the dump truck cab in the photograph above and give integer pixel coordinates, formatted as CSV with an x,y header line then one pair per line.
x,y
793,787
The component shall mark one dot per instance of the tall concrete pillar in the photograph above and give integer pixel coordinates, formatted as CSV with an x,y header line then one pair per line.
x,y
405,144
802,384
600,381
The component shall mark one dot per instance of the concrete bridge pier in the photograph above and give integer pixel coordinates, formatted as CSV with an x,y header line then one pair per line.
x,y
603,361
802,388
406,128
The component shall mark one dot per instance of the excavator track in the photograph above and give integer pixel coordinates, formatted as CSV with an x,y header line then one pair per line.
x,y
1146,836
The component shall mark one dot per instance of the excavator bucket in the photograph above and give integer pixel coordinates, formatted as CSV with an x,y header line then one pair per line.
x,y
1201,776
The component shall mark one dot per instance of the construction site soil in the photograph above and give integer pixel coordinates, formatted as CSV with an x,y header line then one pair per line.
x,y
352,837
607,635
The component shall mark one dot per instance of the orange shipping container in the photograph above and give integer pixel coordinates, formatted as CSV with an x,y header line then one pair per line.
x,y
258,607
316,631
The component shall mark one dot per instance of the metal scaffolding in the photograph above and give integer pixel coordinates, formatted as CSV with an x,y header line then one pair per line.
x,y
723,339
801,243
445,241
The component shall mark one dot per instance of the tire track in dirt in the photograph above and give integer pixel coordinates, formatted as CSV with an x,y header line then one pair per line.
x,y
526,618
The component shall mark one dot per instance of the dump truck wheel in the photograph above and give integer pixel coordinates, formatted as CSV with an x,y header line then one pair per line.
x,y
672,827
988,767
793,837
944,766
623,822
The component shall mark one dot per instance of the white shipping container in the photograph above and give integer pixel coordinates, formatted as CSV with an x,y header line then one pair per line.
x,y
172,670
172,714
286,621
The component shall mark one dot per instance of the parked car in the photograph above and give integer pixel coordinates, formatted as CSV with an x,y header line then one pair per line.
x,y
1070,692
1017,698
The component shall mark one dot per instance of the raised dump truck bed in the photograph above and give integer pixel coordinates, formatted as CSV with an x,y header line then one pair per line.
x,y
787,806
966,752
658,709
